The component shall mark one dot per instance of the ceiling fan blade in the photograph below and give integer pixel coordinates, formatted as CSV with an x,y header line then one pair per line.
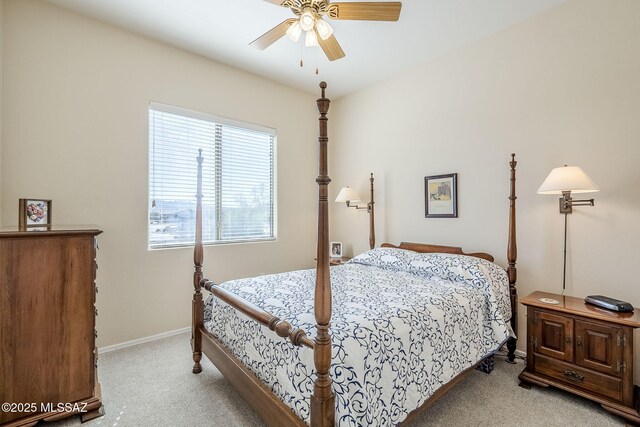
x,y
268,38
331,47
366,11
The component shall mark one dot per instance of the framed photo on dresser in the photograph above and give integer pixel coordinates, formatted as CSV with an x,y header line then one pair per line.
x,y
34,213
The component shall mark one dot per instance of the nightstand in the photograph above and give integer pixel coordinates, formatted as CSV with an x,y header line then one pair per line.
x,y
582,349
338,261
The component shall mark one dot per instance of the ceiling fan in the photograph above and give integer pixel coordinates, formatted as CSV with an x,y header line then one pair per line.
x,y
309,18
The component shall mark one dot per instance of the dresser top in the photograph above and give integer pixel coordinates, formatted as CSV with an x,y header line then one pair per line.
x,y
578,307
55,230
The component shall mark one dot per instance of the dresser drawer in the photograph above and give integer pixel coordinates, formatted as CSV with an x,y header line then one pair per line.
x,y
585,379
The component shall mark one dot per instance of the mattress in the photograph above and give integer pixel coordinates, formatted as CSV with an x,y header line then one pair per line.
x,y
403,325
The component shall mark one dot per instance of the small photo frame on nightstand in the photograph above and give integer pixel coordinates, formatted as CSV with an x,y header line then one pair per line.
x,y
34,213
336,250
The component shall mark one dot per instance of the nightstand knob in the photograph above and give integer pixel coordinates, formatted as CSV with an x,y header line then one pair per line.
x,y
578,341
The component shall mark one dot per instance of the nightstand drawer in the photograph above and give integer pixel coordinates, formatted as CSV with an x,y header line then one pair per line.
x,y
593,382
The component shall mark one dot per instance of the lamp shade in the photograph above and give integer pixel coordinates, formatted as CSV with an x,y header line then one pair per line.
x,y
311,39
294,31
324,29
567,178
347,194
307,20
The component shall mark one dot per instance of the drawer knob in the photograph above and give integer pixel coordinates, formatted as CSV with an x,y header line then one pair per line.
x,y
573,375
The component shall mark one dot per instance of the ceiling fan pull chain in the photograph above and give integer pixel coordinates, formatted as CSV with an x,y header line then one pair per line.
x,y
317,69
301,62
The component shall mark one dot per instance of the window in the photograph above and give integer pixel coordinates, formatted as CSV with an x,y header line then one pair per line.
x,y
238,203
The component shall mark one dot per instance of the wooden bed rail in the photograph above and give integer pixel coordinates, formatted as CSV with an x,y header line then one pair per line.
x,y
281,327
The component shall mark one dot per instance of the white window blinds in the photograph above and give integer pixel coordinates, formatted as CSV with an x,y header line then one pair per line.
x,y
238,178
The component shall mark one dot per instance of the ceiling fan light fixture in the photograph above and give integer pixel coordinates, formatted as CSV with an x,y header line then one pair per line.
x,y
311,40
324,30
307,20
294,31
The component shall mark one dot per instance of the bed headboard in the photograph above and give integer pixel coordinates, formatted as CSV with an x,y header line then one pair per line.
x,y
421,247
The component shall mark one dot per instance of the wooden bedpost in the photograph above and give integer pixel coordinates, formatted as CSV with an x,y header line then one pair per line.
x,y
323,400
196,307
372,229
512,255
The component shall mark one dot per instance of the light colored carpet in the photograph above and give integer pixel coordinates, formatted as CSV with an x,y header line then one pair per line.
x,y
152,385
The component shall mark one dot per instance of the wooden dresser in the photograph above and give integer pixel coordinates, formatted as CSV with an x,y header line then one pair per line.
x,y
47,326
583,349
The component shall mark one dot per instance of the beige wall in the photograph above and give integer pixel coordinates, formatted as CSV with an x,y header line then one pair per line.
x,y
562,87
75,130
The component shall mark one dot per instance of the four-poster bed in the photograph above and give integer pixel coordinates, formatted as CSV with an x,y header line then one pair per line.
x,y
314,363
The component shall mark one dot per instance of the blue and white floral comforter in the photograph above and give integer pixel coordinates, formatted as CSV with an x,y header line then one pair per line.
x,y
403,325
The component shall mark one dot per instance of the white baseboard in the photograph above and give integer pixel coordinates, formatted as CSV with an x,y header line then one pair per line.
x,y
126,344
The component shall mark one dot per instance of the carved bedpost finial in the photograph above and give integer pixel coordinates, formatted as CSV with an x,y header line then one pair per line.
x,y
323,103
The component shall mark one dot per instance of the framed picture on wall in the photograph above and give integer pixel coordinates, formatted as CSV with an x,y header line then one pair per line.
x,y
441,196
336,249
34,213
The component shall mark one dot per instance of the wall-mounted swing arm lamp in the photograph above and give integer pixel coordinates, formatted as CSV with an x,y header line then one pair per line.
x,y
566,180
351,197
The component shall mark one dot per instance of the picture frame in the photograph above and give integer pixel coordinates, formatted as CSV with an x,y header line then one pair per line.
x,y
34,214
335,250
441,196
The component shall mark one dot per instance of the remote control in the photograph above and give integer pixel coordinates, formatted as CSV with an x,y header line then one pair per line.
x,y
608,303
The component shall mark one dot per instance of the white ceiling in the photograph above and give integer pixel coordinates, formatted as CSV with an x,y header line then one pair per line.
x,y
223,29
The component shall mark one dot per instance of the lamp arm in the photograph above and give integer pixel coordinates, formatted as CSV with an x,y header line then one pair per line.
x,y
582,202
349,205
567,203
